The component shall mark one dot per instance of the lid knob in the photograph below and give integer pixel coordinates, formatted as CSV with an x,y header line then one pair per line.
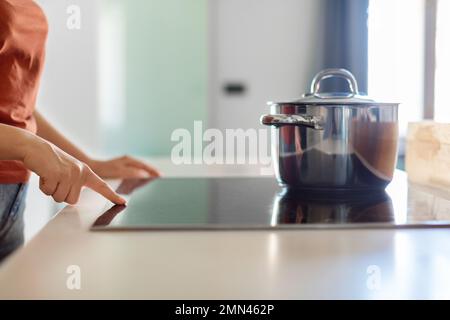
x,y
331,73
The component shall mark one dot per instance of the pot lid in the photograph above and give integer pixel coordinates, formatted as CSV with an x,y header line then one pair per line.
x,y
352,97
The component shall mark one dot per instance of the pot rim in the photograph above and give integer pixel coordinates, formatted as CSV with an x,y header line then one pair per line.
x,y
334,104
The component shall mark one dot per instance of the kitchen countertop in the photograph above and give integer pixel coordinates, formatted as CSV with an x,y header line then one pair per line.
x,y
305,264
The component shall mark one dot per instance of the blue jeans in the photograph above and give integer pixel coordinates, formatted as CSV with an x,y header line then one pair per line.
x,y
12,206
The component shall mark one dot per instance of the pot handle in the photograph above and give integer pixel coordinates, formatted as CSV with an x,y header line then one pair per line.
x,y
331,73
292,120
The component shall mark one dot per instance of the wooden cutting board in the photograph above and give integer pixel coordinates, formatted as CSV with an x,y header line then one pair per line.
x,y
428,153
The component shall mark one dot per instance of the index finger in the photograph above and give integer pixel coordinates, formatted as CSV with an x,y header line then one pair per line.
x,y
98,185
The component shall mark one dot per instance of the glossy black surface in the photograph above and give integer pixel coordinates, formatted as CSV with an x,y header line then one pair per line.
x,y
259,203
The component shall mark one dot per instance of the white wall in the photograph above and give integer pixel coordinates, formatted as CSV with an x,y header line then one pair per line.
x,y
69,90
274,47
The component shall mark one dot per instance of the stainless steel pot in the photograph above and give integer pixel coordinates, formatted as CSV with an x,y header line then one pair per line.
x,y
334,141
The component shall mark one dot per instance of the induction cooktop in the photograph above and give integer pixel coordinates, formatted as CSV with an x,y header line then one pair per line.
x,y
260,203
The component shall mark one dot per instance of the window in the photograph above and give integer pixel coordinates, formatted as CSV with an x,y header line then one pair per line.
x,y
409,44
442,83
397,56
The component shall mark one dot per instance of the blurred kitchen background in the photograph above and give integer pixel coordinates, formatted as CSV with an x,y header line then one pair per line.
x,y
137,70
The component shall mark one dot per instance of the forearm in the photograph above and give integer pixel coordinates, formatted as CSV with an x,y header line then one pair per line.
x,y
14,142
60,175
46,131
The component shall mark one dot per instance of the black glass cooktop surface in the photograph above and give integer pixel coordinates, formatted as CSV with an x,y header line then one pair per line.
x,y
259,203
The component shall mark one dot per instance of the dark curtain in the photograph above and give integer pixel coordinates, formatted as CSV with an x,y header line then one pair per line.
x,y
346,41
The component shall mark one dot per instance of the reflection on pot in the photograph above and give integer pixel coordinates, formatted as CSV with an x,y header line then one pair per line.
x,y
292,206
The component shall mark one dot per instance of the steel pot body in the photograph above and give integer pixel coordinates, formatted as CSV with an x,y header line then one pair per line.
x,y
329,142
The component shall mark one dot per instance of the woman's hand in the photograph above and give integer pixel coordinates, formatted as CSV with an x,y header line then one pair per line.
x,y
61,175
123,168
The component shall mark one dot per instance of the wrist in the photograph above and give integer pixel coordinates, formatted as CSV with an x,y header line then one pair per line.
x,y
26,144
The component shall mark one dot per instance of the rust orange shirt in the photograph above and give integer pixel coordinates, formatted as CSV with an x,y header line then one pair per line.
x,y
23,33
